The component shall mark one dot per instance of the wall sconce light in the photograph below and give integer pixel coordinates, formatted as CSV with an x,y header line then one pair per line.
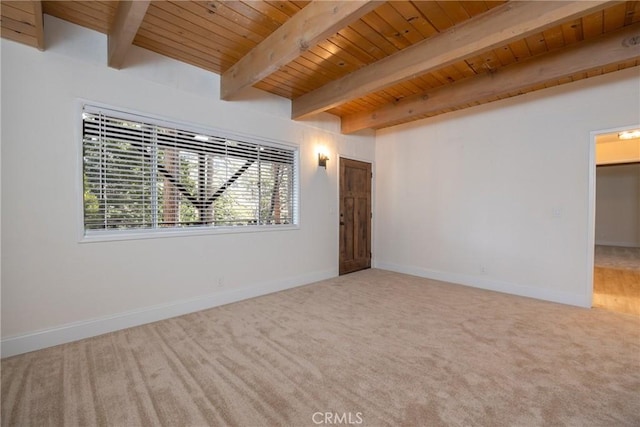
x,y
322,160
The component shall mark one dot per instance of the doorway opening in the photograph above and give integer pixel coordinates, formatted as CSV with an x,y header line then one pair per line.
x,y
616,262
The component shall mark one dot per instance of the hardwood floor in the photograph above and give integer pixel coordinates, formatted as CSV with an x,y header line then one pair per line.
x,y
616,279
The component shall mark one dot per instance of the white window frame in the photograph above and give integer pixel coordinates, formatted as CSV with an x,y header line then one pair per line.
x,y
88,236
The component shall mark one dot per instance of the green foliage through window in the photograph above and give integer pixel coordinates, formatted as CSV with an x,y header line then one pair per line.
x,y
139,174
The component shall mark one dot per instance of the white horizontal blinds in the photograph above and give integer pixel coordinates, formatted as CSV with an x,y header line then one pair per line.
x,y
117,173
141,174
276,177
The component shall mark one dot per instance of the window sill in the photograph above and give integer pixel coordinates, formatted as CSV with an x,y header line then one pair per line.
x,y
111,236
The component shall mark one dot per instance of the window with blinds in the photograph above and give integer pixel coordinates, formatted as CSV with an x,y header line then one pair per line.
x,y
142,173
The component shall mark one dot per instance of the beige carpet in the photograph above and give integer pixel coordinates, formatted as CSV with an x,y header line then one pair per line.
x,y
618,257
378,347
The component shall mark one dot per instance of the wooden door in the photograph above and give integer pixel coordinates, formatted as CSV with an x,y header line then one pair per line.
x,y
355,215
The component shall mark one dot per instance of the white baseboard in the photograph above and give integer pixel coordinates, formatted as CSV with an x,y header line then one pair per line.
x,y
19,344
492,285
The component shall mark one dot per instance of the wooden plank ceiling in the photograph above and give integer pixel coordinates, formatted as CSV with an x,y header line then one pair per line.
x,y
374,64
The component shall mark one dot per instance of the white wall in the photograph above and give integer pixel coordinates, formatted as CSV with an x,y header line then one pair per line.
x,y
55,289
618,205
498,196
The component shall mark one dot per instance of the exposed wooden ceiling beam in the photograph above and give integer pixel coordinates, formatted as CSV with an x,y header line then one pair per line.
x,y
38,24
315,22
22,22
128,18
620,46
499,26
